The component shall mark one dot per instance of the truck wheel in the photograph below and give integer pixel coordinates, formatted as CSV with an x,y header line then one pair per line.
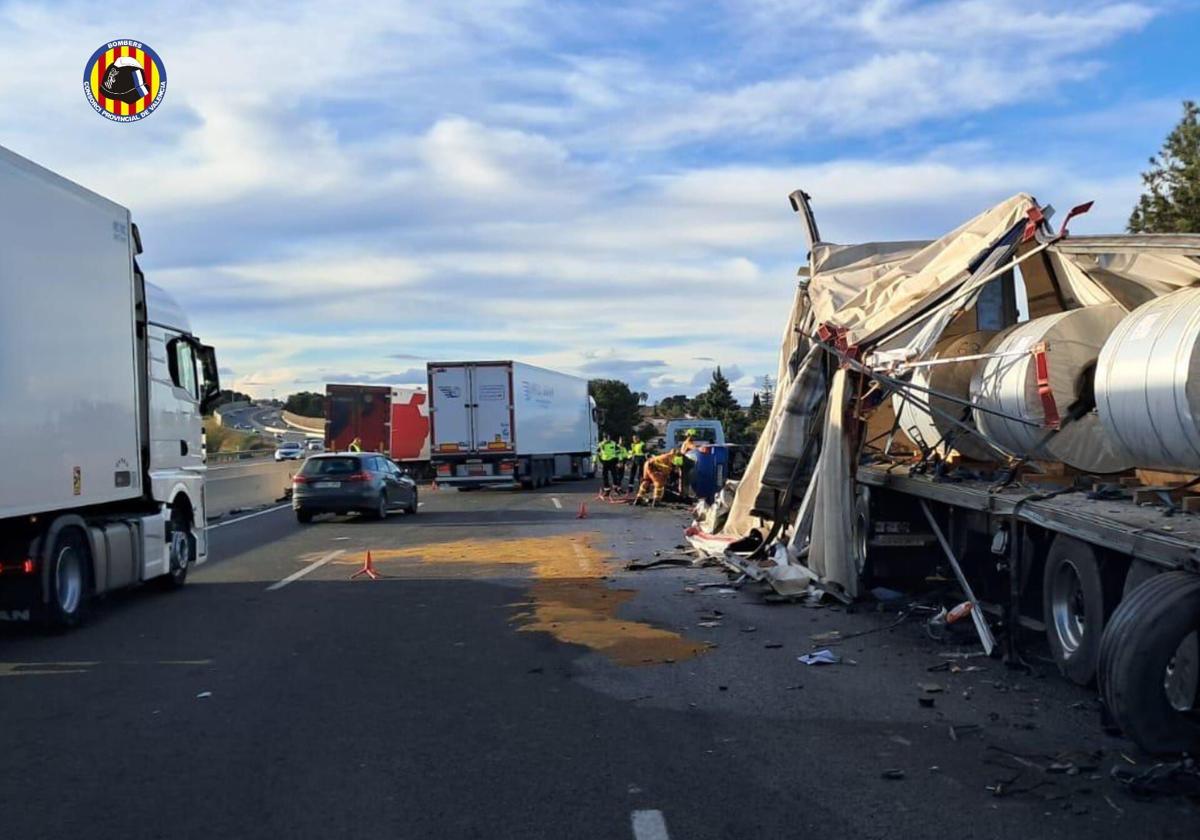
x,y
1074,607
1152,662
861,530
68,580
181,546
1132,599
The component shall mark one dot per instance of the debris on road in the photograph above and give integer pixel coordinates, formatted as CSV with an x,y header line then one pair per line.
x,y
893,774
958,730
820,657
203,695
657,562
1176,778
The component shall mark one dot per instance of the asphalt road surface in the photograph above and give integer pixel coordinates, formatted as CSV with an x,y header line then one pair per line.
x,y
506,677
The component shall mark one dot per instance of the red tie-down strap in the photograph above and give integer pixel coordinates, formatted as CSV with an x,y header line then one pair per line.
x,y
1041,365
1036,217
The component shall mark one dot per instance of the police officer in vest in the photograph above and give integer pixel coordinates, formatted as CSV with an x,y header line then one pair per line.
x,y
606,454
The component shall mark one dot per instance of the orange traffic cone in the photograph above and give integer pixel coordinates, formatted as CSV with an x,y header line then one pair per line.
x,y
368,569
582,511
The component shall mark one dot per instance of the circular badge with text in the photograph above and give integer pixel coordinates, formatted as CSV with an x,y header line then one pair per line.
x,y
124,81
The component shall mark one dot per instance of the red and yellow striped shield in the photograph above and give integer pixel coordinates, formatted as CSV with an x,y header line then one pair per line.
x,y
124,80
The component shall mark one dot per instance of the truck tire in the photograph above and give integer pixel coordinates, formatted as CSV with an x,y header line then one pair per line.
x,y
1151,662
1132,600
1075,606
182,547
861,531
68,580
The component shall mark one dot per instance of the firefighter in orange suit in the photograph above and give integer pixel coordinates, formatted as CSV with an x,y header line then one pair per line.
x,y
656,474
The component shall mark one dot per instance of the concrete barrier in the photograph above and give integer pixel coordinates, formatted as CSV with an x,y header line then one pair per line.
x,y
311,425
247,484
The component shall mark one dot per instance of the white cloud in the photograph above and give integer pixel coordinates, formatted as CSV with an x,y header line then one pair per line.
x,y
596,187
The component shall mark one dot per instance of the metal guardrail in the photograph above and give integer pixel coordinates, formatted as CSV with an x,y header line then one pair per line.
x,y
238,455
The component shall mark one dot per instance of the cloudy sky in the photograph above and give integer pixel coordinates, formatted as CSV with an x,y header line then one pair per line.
x,y
344,191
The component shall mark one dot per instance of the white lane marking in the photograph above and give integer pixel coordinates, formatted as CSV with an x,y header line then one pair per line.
x,y
311,567
250,516
557,503
649,825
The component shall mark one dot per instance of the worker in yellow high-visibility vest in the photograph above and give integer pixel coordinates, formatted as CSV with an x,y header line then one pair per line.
x,y
606,454
622,463
356,445
637,460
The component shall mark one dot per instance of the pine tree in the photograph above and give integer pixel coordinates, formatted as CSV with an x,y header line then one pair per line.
x,y
1171,201
755,412
718,403
768,393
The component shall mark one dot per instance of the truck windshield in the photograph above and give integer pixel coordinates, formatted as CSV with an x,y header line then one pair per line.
x,y
330,466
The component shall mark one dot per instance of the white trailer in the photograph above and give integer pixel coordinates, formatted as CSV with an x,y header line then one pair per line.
x,y
504,422
104,385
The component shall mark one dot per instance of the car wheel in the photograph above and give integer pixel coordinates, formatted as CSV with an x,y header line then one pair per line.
x,y
68,580
304,517
381,508
413,505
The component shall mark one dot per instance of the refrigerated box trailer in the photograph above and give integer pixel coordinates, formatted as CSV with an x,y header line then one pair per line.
x,y
104,386
505,422
392,419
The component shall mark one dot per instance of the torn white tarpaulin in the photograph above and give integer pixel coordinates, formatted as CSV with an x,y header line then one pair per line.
x,y
900,291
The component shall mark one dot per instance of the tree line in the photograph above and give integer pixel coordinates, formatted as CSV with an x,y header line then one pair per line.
x,y
622,408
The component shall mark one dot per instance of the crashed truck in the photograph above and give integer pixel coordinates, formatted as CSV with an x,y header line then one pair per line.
x,y
1013,409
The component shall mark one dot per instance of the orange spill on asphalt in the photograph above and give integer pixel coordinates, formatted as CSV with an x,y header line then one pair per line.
x,y
568,598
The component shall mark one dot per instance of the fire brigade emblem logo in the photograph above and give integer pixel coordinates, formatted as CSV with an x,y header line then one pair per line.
x,y
124,81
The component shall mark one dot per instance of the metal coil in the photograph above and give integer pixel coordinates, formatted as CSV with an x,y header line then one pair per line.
x,y
1148,383
954,380
1008,383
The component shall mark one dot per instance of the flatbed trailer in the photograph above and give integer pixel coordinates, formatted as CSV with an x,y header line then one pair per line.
x,y
1172,542
1110,581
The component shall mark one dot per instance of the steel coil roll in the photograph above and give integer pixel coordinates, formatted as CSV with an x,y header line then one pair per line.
x,y
1008,383
1148,383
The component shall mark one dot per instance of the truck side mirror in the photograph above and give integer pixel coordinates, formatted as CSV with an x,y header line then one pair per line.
x,y
212,379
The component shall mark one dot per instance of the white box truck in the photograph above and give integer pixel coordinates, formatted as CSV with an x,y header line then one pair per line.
x,y
505,423
103,385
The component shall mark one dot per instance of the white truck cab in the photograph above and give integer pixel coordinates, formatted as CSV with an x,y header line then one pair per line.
x,y
104,386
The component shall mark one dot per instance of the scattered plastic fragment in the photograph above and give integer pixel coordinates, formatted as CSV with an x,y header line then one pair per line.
x,y
820,657
203,694
893,774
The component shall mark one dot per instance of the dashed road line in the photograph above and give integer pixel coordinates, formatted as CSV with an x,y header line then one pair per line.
x,y
311,567
649,825
557,503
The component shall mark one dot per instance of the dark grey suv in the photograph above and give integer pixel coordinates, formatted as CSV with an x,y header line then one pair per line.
x,y
342,482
